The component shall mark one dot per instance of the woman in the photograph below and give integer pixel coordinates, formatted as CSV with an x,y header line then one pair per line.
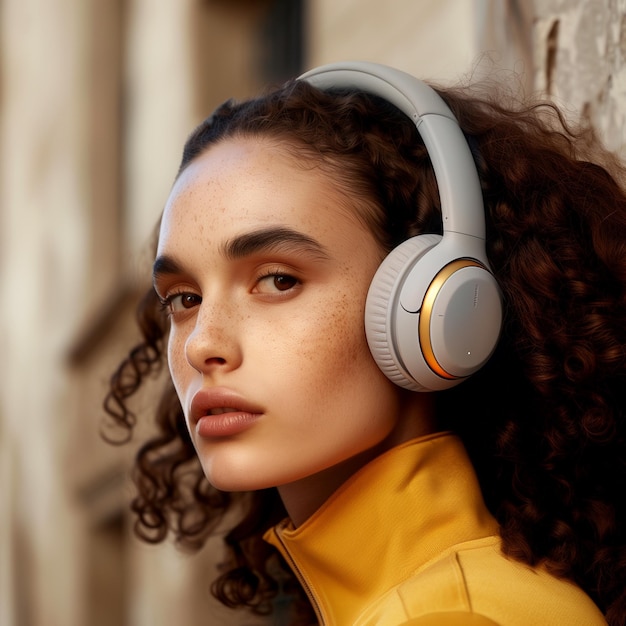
x,y
393,494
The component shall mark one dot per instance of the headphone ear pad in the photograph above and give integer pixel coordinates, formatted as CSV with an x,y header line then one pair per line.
x,y
381,301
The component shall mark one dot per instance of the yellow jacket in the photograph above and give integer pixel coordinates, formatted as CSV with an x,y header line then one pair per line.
x,y
408,541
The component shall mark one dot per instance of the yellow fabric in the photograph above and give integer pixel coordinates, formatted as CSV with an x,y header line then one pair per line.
x,y
408,541
451,619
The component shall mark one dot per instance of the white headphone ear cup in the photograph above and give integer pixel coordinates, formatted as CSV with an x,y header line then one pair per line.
x,y
459,322
382,299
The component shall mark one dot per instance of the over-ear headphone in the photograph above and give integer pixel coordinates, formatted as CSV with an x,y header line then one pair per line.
x,y
434,310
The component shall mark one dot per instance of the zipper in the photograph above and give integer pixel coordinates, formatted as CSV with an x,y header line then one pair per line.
x,y
302,580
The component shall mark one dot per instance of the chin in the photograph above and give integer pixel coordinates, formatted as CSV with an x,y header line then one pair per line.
x,y
226,478
233,486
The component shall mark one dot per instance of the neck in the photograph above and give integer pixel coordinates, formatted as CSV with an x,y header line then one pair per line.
x,y
303,497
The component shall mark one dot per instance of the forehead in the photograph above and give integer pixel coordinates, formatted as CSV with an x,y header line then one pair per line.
x,y
250,183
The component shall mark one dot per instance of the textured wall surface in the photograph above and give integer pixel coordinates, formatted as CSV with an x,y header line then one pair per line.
x,y
580,54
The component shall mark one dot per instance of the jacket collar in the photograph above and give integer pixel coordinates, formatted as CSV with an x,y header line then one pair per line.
x,y
393,516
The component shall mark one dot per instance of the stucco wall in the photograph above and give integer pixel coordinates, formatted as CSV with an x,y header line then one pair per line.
x,y
580,57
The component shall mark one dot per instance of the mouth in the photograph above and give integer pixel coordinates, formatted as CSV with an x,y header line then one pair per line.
x,y
222,410
224,423
220,405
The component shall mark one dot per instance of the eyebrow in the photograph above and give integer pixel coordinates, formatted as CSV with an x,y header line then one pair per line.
x,y
273,239
164,265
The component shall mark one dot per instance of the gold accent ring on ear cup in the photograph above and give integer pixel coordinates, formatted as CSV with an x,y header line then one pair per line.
x,y
426,313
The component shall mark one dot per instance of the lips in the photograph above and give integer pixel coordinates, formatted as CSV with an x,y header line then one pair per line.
x,y
221,412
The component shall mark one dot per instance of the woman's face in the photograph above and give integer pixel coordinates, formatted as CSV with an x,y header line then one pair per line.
x,y
265,270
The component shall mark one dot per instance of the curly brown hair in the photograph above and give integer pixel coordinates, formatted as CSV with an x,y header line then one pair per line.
x,y
549,438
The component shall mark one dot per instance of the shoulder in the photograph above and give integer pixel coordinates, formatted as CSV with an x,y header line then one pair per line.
x,y
456,618
477,585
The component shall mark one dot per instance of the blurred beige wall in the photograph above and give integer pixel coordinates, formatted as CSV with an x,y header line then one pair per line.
x,y
96,99
433,39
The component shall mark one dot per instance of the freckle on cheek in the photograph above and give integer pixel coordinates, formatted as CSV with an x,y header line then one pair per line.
x,y
347,325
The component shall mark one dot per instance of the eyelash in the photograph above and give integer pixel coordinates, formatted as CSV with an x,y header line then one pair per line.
x,y
167,301
277,273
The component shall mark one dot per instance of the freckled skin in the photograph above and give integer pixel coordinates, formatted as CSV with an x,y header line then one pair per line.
x,y
301,354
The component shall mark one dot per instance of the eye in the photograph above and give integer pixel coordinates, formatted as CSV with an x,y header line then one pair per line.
x,y
276,283
177,302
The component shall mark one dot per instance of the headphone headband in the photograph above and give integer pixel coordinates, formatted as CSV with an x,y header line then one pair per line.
x,y
459,187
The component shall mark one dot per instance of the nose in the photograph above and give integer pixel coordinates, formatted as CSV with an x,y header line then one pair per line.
x,y
213,342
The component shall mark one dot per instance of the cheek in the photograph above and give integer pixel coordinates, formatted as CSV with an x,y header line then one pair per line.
x,y
335,348
176,360
347,339
335,376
